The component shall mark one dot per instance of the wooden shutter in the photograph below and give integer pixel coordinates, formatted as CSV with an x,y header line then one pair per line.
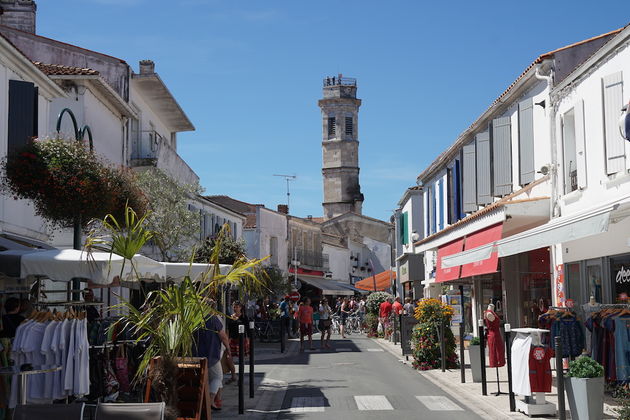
x,y
502,156
527,170
457,176
484,168
441,204
615,145
22,121
405,227
469,178
450,197
580,143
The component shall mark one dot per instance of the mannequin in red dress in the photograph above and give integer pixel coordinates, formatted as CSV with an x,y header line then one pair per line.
x,y
496,346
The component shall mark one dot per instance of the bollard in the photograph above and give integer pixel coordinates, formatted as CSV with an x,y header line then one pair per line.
x,y
251,359
282,332
443,345
562,413
241,368
508,349
462,367
482,352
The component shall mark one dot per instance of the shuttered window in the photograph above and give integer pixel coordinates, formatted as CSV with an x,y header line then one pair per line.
x,y
501,156
404,229
580,143
484,168
433,211
457,177
440,199
349,126
22,121
469,178
526,141
450,198
332,128
615,145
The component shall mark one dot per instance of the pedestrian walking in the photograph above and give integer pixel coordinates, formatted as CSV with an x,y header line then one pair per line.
x,y
345,311
285,308
397,307
305,317
325,324
385,310
408,308
361,312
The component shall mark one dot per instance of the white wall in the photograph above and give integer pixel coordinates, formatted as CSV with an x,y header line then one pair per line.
x,y
339,262
272,224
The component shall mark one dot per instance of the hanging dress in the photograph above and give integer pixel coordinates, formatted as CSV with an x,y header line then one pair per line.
x,y
496,346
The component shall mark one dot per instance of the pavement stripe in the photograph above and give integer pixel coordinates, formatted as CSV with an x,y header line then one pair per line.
x,y
375,350
307,404
372,402
438,403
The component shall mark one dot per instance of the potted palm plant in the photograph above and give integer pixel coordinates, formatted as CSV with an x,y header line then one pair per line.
x,y
585,389
474,350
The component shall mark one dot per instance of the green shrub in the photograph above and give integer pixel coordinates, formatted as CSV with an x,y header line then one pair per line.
x,y
475,341
374,301
622,396
585,367
431,313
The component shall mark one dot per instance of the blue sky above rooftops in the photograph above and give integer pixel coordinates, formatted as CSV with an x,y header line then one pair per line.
x,y
248,74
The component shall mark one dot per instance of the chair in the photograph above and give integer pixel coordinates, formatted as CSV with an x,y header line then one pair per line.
x,y
48,411
130,411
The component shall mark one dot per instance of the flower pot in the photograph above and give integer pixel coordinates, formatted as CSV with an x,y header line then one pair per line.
x,y
474,351
586,397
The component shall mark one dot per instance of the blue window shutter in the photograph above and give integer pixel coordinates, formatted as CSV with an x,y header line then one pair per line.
x,y
406,227
484,168
433,210
502,156
615,144
526,141
469,178
458,190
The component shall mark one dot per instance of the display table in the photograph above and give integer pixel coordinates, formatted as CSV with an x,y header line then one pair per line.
x,y
24,375
533,403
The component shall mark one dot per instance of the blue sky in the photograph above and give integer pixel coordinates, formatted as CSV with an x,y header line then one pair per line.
x,y
248,74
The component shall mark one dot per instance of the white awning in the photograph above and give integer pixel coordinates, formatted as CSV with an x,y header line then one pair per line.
x,y
328,287
178,271
559,230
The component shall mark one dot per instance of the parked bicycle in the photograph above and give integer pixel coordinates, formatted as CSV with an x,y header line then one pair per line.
x,y
268,331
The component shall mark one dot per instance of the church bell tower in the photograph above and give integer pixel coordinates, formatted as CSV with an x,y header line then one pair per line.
x,y
340,146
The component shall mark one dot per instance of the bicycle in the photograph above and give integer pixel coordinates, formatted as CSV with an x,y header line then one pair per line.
x,y
266,331
335,327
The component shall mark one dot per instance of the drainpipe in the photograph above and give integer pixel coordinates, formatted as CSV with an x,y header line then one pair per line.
x,y
555,259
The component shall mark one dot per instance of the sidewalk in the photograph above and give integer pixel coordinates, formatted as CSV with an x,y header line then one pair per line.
x,y
469,393
268,392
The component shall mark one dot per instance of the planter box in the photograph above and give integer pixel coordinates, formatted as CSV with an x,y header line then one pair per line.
x,y
586,397
474,351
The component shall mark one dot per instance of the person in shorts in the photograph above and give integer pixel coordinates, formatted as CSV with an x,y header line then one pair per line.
x,y
325,323
305,318
345,312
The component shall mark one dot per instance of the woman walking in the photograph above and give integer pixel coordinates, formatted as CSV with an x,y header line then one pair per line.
x,y
325,324
305,317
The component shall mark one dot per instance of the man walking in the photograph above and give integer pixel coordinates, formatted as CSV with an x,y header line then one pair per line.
x,y
285,318
397,307
385,310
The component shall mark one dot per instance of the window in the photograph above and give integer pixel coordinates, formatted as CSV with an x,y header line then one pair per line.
x,y
570,155
615,144
501,156
22,122
527,170
349,126
332,128
440,191
469,178
273,250
403,229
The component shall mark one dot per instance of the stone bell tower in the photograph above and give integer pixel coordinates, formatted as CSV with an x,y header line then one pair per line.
x,y
18,14
340,146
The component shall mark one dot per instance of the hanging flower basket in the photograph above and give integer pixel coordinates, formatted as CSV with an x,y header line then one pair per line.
x,y
64,179
425,339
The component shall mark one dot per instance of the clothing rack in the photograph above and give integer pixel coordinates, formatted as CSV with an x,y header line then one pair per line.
x,y
70,303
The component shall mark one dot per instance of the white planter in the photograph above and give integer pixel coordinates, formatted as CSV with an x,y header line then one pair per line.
x,y
474,351
586,397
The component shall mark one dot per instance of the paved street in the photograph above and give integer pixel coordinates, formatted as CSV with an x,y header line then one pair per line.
x,y
358,379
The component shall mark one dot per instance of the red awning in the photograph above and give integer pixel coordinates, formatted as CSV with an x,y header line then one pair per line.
x,y
450,273
479,238
383,281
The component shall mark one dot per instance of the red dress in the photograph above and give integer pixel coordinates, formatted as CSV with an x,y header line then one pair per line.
x,y
540,369
496,346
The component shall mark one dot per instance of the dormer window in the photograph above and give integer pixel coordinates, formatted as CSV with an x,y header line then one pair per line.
x,y
332,129
349,126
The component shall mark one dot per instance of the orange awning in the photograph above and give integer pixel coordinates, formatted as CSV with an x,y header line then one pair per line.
x,y
383,281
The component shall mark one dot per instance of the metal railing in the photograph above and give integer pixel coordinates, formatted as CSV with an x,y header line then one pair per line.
x,y
339,81
146,145
310,258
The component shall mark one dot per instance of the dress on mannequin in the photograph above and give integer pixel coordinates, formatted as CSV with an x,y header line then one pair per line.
x,y
496,346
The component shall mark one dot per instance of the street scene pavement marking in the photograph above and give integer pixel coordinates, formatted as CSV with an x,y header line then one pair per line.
x,y
379,350
372,402
307,404
438,403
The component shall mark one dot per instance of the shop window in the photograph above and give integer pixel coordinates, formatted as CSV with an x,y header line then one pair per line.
x,y
594,278
620,278
573,283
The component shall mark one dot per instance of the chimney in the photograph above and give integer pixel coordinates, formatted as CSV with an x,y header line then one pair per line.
x,y
147,67
18,14
283,208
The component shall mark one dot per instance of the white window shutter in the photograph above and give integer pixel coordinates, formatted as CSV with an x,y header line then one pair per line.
x,y
615,144
580,143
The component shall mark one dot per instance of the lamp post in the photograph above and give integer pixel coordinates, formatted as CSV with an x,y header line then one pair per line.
x,y
79,134
295,263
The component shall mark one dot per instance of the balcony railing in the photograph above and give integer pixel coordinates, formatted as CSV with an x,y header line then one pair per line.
x,y
339,81
146,145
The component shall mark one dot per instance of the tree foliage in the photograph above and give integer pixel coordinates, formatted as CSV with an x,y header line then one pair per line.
x,y
175,228
374,301
275,282
231,250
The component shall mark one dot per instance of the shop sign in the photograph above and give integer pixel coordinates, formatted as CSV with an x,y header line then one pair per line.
x,y
620,277
407,323
559,284
404,272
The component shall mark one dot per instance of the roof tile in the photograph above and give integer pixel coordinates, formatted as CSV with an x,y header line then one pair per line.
x,y
59,70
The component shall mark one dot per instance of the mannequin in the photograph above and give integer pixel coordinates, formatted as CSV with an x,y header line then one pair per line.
x,y
496,346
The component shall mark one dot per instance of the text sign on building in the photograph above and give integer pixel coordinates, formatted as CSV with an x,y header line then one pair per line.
x,y
404,272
